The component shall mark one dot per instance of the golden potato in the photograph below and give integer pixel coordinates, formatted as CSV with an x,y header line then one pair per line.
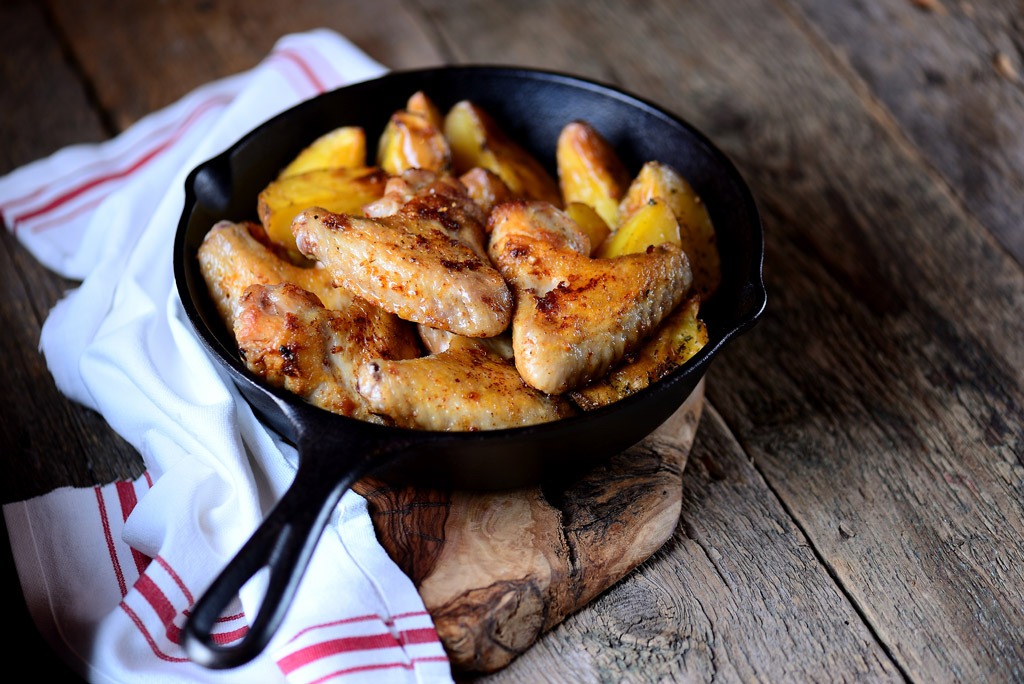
x,y
587,218
410,141
476,140
341,148
420,104
676,340
589,170
340,190
653,224
696,231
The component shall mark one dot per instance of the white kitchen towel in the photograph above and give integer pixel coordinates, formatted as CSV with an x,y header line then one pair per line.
x,y
109,573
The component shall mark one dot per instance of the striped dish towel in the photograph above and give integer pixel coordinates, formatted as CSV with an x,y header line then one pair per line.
x,y
109,573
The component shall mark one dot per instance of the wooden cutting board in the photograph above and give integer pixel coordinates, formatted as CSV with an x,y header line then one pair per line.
x,y
496,570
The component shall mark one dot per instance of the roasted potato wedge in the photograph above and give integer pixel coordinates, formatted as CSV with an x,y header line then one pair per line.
x,y
410,141
589,170
696,231
343,147
476,140
420,104
678,338
587,218
340,190
654,224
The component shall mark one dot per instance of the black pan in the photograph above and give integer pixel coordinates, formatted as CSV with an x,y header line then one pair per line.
x,y
335,451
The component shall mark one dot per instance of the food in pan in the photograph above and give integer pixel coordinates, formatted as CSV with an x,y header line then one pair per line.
x,y
576,316
425,262
465,386
286,335
456,284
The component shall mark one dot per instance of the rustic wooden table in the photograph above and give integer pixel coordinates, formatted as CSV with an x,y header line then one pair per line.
x,y
854,505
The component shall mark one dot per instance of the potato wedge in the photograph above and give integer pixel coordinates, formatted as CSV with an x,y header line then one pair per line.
x,y
587,218
420,104
654,224
341,148
476,140
696,230
341,190
589,170
410,141
675,342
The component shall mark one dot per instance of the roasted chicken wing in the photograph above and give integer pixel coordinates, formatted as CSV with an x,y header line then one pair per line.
x,y
231,259
424,187
424,262
286,335
576,316
675,342
464,387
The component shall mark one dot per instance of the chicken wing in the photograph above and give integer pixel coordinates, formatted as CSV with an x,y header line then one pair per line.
x,y
424,262
576,316
425,186
232,258
464,387
676,341
286,335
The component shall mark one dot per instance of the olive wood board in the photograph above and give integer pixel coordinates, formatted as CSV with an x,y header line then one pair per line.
x,y
497,570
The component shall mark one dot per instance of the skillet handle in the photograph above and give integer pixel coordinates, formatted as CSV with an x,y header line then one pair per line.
x,y
283,543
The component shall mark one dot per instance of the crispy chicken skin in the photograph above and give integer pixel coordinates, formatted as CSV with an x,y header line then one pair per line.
x,y
231,259
576,316
464,387
676,340
424,262
425,185
286,335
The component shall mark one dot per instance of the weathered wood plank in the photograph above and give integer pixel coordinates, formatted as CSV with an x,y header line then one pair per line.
x,y
45,105
737,594
882,396
952,74
45,440
152,54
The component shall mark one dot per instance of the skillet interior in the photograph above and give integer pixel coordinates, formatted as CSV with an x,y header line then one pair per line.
x,y
532,107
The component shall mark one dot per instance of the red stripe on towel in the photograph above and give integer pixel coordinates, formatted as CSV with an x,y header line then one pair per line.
x,y
127,497
105,520
325,649
149,638
177,580
206,105
304,66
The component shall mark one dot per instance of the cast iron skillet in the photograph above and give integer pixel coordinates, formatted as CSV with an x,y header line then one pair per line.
x,y
335,451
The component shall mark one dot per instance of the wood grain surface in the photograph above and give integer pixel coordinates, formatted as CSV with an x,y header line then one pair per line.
x,y
852,507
